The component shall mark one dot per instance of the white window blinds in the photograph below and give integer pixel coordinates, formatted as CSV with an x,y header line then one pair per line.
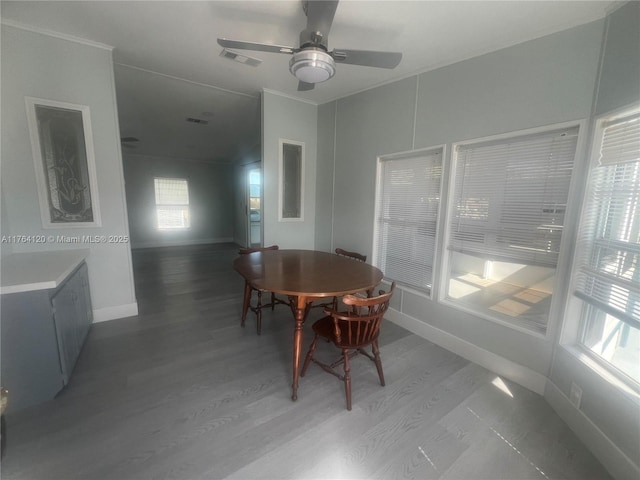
x,y
408,201
510,197
172,203
609,277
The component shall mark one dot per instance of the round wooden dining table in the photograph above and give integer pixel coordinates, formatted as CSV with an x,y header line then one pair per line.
x,y
305,276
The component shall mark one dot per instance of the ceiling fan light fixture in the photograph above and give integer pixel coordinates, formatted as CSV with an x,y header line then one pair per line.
x,y
312,66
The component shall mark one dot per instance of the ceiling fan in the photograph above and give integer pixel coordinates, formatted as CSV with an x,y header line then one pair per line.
x,y
312,62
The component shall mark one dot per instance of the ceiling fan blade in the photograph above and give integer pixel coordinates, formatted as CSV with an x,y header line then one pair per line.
x,y
262,47
320,15
304,86
367,58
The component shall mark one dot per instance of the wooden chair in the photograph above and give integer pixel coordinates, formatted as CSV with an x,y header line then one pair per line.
x,y
249,289
354,255
343,253
351,331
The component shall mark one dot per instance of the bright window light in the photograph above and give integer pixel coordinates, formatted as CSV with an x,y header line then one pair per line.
x,y
509,197
172,203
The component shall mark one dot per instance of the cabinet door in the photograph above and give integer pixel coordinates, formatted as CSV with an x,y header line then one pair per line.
x,y
73,318
85,310
66,320
30,357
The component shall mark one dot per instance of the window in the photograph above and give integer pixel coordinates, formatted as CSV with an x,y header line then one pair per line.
x,y
506,217
408,201
172,203
608,274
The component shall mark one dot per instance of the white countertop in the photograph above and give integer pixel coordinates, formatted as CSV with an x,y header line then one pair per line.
x,y
29,271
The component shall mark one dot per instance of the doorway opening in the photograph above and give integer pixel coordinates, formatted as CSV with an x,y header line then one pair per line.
x,y
255,208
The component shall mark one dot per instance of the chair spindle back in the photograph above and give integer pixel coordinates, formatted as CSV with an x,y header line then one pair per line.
x,y
361,324
354,255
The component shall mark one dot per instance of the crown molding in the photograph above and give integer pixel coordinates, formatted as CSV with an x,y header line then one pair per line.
x,y
51,33
150,156
180,79
290,97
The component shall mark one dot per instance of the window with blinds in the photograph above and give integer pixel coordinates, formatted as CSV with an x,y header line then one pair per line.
x,y
608,277
507,214
172,203
407,206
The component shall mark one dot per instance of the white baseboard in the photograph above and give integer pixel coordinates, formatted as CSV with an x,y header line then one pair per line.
x,y
520,374
179,243
113,313
619,465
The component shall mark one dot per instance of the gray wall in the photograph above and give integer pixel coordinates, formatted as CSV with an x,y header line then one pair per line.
x,y
369,124
6,248
210,201
324,176
45,67
620,76
289,119
541,82
536,83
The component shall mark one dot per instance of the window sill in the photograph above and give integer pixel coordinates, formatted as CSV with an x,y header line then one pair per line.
x,y
413,290
513,324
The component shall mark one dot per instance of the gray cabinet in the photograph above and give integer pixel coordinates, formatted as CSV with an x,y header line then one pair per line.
x,y
42,334
73,316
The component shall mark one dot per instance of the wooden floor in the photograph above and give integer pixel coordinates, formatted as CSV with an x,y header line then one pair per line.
x,y
182,391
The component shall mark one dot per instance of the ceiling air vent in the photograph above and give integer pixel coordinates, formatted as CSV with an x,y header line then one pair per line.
x,y
240,58
197,120
129,142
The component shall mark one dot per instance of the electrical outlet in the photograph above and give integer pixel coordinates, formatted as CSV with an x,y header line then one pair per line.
x,y
575,397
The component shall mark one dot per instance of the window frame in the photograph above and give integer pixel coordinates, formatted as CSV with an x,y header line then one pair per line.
x,y
576,311
281,179
156,205
562,268
436,248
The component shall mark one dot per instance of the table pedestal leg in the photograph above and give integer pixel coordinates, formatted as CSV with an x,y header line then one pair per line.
x,y
300,313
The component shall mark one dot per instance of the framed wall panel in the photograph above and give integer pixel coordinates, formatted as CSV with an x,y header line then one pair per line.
x,y
63,154
291,181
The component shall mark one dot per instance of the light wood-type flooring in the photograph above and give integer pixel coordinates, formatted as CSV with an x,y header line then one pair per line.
x,y
181,391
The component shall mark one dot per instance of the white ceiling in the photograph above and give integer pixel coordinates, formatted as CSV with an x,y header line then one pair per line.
x,y
168,64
